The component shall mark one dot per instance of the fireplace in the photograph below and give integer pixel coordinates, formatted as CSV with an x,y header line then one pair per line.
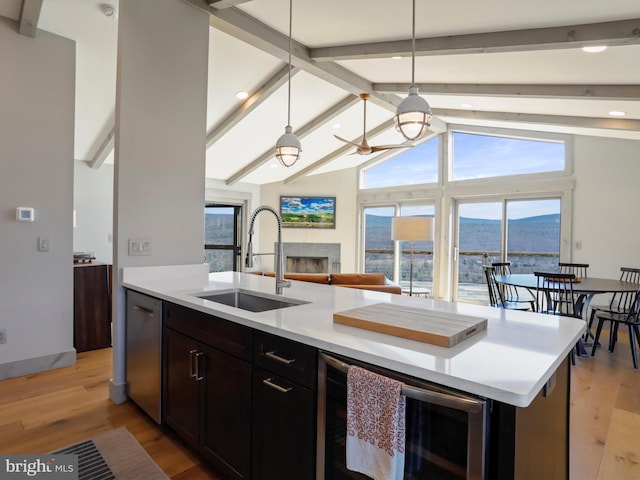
x,y
307,265
311,257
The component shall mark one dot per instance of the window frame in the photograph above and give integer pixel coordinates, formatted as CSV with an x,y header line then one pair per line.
x,y
446,193
236,248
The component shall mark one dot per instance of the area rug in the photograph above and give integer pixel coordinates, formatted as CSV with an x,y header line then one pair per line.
x,y
114,455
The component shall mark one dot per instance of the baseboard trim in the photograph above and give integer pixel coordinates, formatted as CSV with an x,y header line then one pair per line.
x,y
29,366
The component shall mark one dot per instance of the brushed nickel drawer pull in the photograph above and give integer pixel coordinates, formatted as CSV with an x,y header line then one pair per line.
x,y
192,369
269,382
199,376
272,355
144,311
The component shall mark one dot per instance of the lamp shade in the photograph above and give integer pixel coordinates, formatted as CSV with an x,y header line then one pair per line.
x,y
288,148
412,228
413,116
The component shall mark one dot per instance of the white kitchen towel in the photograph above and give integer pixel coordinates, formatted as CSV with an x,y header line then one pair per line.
x,y
375,425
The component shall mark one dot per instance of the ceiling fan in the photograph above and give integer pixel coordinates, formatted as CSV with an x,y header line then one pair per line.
x,y
364,148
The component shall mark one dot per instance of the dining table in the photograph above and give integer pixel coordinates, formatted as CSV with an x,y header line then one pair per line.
x,y
585,287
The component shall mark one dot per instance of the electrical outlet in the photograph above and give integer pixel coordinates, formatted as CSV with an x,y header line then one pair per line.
x,y
3,335
579,245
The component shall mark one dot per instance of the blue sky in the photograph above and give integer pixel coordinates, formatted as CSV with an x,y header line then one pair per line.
x,y
475,156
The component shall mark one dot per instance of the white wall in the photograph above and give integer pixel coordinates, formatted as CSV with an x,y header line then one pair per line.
x,y
36,170
342,185
93,204
160,140
606,201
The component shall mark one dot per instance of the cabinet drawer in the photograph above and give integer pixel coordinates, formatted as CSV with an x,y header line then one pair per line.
x,y
216,332
291,360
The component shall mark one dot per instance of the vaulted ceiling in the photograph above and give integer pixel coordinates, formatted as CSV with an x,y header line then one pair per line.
x,y
497,63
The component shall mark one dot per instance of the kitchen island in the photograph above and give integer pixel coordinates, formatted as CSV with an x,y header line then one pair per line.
x,y
511,362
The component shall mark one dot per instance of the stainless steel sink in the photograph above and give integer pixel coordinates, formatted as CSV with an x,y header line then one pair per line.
x,y
251,301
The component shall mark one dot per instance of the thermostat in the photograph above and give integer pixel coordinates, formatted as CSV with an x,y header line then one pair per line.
x,y
25,214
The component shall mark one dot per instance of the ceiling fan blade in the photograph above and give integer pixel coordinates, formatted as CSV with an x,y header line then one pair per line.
x,y
379,148
346,141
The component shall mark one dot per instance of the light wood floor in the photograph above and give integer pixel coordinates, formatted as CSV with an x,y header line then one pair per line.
x,y
46,411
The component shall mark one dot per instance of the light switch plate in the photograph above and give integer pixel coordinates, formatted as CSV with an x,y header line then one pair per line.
x,y
139,246
44,244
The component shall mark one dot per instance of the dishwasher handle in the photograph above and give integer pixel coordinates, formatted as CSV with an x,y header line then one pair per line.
x,y
145,311
458,402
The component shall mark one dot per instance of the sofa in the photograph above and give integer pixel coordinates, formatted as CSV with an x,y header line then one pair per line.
x,y
365,281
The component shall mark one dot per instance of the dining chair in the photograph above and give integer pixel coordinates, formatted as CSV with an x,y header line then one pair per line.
x,y
631,319
495,295
510,293
555,295
621,302
578,269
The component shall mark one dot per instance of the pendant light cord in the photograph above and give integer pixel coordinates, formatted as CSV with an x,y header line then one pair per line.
x,y
289,81
413,45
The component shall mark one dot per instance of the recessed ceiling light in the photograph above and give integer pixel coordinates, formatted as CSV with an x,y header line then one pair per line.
x,y
466,105
337,126
396,57
274,165
241,95
594,49
617,113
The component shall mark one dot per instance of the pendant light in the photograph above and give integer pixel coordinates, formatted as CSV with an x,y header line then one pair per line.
x,y
413,115
288,146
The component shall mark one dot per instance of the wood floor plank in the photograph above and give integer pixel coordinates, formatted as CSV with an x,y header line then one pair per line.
x,y
621,459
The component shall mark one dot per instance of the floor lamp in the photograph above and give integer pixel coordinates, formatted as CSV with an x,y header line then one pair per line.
x,y
412,229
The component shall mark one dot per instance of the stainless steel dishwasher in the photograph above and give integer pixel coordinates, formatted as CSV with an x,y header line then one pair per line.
x,y
144,352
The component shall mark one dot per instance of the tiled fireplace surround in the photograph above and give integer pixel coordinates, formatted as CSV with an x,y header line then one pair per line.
x,y
296,254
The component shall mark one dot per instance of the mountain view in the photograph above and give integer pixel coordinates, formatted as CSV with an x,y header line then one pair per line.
x,y
533,244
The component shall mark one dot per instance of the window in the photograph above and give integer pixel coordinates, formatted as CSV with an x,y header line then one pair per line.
x,y
413,166
422,253
222,237
484,156
524,232
380,253
378,246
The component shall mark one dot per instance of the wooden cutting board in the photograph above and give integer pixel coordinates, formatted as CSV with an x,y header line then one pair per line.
x,y
436,328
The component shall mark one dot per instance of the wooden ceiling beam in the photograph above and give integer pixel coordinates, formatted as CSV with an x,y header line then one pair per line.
x,y
591,92
620,124
622,32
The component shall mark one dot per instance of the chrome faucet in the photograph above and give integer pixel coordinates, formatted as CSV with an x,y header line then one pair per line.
x,y
278,254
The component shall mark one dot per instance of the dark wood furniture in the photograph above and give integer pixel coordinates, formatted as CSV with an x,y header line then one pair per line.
x,y
620,302
207,386
510,293
284,408
495,293
578,269
631,319
91,306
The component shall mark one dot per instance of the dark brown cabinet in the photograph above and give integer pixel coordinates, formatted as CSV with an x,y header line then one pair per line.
x,y
91,306
284,409
207,386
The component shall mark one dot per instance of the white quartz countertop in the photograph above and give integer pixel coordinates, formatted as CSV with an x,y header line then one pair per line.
x,y
509,362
